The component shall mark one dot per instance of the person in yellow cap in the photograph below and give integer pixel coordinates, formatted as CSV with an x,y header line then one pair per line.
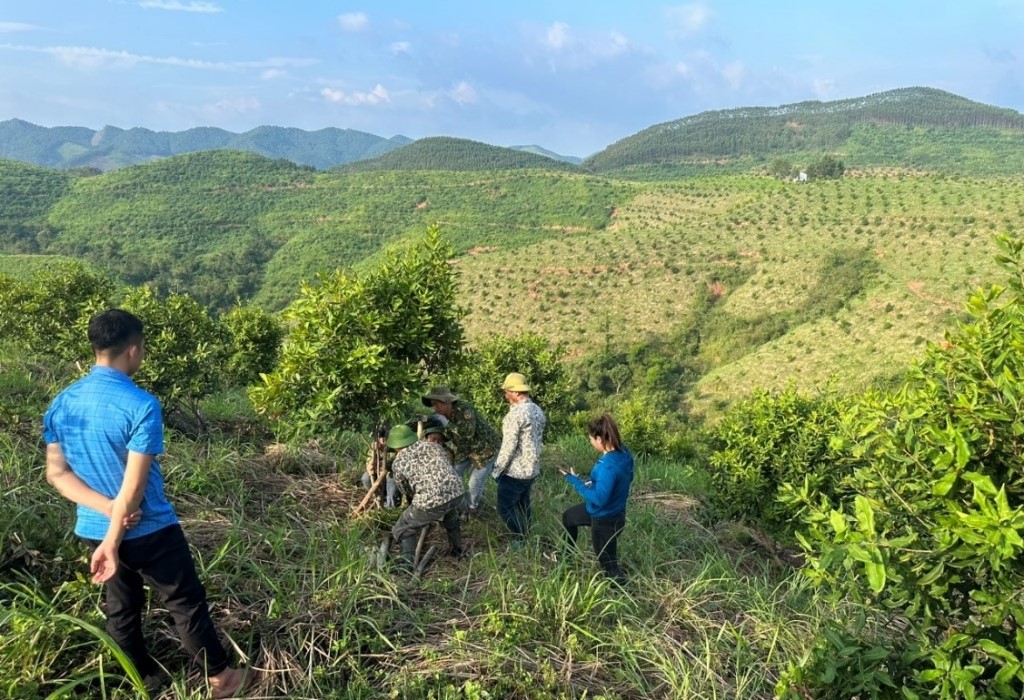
x,y
423,471
517,465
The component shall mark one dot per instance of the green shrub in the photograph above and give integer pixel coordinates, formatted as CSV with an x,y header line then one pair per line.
x,y
186,350
254,343
767,441
484,368
359,345
49,314
932,543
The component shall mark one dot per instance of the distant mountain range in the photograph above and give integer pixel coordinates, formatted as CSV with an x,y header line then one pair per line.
x,y
912,128
111,148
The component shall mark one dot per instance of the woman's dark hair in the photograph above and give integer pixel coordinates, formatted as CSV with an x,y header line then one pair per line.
x,y
604,427
113,331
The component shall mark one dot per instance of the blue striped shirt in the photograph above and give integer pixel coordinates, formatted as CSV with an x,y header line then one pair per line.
x,y
97,421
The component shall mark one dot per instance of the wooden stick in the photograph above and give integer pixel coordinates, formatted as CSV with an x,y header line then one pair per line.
x,y
422,566
371,493
419,544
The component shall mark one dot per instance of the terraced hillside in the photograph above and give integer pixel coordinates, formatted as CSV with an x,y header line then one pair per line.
x,y
792,283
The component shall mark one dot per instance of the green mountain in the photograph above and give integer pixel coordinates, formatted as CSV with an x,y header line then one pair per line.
x,y
448,153
111,148
913,128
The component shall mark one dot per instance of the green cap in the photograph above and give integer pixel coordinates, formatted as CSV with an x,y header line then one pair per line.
x,y
400,436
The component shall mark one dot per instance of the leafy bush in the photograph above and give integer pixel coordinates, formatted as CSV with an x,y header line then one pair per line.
x,y
185,347
484,368
826,168
255,341
49,316
932,543
767,441
357,346
49,313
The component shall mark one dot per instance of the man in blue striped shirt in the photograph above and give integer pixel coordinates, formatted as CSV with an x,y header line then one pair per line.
x,y
103,434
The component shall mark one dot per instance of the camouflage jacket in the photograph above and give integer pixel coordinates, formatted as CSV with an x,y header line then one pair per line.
x,y
424,471
470,436
522,432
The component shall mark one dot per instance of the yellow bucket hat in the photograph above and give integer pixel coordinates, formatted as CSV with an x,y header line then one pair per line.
x,y
515,382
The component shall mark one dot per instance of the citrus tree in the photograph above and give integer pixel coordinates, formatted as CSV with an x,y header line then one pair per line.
x,y
359,344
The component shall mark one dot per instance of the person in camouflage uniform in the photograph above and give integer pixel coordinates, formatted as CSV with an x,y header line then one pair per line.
x,y
470,437
423,471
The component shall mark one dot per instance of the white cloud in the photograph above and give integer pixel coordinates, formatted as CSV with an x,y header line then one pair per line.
x,y
7,27
238,105
92,58
463,94
273,73
178,6
376,96
400,47
610,46
558,36
824,88
734,73
701,71
214,112
354,21
572,50
689,19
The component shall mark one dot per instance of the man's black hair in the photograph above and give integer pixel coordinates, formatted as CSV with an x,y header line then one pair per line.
x,y
113,331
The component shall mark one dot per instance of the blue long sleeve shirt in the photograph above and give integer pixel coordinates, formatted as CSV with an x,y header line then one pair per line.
x,y
607,488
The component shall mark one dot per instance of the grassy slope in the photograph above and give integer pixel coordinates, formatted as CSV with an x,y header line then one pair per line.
x,y
584,260
706,615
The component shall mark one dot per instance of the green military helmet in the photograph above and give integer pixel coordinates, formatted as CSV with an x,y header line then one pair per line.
x,y
400,436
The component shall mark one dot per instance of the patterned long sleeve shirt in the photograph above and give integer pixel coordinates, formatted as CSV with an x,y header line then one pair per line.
x,y
425,471
470,436
522,433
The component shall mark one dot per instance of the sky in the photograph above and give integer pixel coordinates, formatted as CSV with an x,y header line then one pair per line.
x,y
572,76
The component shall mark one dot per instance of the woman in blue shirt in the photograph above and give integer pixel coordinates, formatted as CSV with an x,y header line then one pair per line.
x,y
604,495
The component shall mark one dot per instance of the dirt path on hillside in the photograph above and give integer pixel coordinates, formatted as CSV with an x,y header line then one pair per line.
x,y
917,288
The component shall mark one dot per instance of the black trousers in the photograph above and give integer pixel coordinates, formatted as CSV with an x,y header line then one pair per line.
x,y
603,531
163,561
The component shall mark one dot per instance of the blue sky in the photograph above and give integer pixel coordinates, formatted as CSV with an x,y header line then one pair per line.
x,y
569,75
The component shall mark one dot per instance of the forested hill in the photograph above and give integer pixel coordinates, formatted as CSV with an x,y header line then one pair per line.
x,y
111,148
447,153
921,128
224,225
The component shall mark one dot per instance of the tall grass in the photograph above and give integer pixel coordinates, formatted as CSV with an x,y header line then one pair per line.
x,y
296,591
